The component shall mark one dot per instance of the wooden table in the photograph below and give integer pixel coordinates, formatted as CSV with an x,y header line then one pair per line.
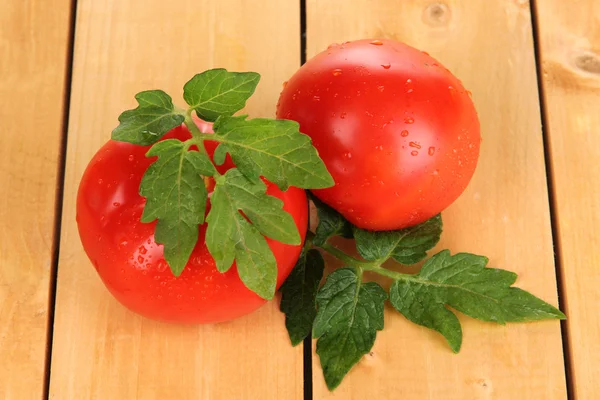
x,y
66,72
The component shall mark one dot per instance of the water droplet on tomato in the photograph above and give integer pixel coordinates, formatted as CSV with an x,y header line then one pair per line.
x,y
415,145
294,96
454,151
469,93
343,115
144,272
143,250
284,84
377,42
116,204
316,98
179,297
404,133
100,181
436,172
381,88
332,45
426,53
409,91
386,66
431,151
409,120
348,155
337,72
123,243
414,153
408,81
130,158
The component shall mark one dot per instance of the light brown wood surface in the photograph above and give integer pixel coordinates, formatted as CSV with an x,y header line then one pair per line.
x,y
570,54
33,59
101,350
504,214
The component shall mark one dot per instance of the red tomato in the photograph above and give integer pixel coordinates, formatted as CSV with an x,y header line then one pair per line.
x,y
130,262
397,131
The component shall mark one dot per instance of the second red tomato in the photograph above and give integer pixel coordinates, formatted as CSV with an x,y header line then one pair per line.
x,y
397,131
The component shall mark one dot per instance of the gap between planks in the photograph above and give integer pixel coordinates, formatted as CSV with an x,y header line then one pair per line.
x,y
59,196
307,343
551,197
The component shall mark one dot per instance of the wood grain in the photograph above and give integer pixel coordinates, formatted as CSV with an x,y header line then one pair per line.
x,y
503,214
33,59
101,350
570,55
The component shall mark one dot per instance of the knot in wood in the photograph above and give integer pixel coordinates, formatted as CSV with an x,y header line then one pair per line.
x,y
437,14
588,62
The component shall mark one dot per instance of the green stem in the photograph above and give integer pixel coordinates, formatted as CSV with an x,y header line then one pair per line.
x,y
390,274
198,136
345,258
359,265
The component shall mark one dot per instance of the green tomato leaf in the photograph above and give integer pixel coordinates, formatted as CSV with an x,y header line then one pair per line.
x,y
331,223
176,196
265,212
349,315
256,264
274,149
219,92
407,246
298,294
463,283
231,237
150,121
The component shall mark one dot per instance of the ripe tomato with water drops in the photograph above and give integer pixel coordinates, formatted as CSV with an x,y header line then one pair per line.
x,y
131,264
397,131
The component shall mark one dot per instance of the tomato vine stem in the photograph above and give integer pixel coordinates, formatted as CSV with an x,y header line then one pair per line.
x,y
198,136
359,265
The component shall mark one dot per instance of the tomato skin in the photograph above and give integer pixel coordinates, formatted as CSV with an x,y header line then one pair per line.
x,y
131,264
396,130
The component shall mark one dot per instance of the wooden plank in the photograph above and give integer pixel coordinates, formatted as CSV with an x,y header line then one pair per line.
x,y
34,40
570,55
101,350
504,213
